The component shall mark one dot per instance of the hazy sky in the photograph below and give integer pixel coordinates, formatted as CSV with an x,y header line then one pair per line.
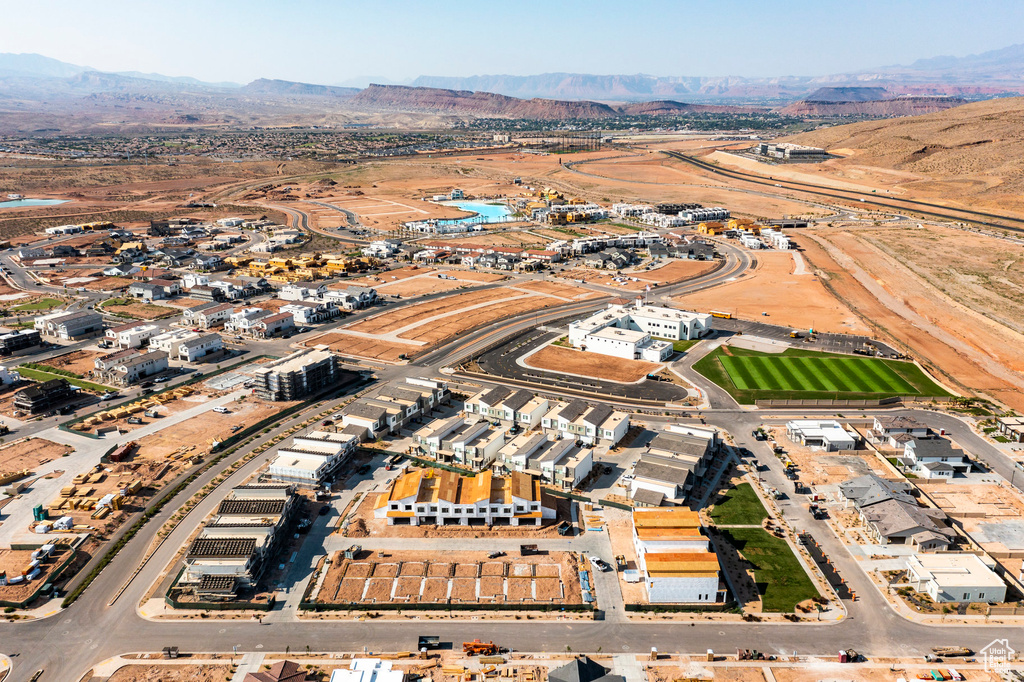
x,y
329,42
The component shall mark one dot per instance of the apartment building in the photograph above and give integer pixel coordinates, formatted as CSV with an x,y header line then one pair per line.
x,y
394,405
508,405
311,459
233,549
590,424
303,373
675,463
433,497
674,557
560,463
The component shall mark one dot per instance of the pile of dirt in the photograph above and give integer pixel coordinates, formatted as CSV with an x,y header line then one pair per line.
x,y
357,529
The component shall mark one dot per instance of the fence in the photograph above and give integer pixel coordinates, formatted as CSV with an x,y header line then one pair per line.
x,y
831,402
441,606
717,607
172,601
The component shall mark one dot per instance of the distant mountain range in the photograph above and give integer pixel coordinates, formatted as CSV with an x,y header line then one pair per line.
x,y
38,93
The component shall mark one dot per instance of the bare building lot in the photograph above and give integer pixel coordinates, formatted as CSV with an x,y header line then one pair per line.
x,y
30,453
411,577
582,363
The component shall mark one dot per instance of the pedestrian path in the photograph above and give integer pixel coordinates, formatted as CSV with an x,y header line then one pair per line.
x,y
630,668
251,663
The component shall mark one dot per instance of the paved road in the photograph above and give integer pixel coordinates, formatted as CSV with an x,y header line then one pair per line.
x,y
90,630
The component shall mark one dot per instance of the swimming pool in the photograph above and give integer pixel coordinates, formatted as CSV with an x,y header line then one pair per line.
x,y
485,213
18,203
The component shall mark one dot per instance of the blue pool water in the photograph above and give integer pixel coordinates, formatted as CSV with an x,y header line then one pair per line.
x,y
485,213
18,203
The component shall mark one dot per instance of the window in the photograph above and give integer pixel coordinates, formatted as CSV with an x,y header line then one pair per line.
x,y
408,507
981,595
967,595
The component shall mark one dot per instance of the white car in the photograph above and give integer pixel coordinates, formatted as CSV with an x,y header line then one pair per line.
x,y
221,409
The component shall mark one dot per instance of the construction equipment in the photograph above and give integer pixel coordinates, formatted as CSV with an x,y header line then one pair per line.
x,y
478,648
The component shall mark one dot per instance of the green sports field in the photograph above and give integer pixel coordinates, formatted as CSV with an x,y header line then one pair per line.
x,y
796,373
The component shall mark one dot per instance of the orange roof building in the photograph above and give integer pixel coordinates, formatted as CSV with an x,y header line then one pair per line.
x,y
437,497
674,556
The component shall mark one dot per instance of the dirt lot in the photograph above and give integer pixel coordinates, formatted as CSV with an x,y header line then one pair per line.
x,y
455,324
141,311
572,361
419,286
773,287
677,271
78,361
564,291
826,468
200,429
358,346
976,351
476,276
30,453
171,673
396,319
109,284
516,238
463,577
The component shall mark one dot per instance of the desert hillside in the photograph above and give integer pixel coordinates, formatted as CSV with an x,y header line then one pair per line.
x,y
972,152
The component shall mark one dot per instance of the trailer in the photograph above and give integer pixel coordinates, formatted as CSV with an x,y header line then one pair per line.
x,y
428,642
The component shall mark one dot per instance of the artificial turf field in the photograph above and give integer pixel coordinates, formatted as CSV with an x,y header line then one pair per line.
x,y
796,373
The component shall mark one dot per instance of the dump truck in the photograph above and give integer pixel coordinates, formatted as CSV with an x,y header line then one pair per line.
x,y
478,648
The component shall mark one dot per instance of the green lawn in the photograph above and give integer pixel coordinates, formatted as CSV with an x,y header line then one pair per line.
x,y
680,346
749,375
46,376
780,578
41,304
741,507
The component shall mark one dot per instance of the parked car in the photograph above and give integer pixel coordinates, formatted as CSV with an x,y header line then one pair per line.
x,y
600,564
222,410
160,380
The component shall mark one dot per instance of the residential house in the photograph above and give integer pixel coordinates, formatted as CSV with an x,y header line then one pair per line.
x,y
935,458
560,463
70,326
892,515
956,577
130,366
131,335
827,434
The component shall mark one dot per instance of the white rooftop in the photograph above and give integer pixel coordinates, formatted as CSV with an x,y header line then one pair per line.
x,y
628,335
954,570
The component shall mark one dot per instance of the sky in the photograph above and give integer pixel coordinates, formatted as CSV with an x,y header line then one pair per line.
x,y
322,41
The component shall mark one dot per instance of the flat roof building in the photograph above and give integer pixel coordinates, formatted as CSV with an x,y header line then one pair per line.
x,y
955,577
298,375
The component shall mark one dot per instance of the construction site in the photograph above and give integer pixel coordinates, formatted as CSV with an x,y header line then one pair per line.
x,y
543,580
